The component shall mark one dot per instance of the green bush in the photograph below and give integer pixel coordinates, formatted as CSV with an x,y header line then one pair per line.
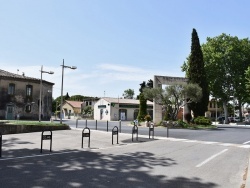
x,y
147,118
201,120
183,124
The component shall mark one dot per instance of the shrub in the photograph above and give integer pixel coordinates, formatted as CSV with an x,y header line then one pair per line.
x,y
201,120
183,124
147,118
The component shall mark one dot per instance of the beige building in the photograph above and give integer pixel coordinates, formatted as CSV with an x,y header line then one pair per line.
x,y
20,95
213,110
71,109
113,109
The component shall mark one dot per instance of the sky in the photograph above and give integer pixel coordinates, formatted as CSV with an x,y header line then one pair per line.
x,y
115,44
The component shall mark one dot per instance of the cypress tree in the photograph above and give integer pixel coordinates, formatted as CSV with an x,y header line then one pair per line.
x,y
197,75
142,108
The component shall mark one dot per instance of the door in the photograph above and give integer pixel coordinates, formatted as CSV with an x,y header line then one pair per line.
x,y
10,113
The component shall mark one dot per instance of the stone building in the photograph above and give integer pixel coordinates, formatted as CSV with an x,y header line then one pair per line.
x,y
20,95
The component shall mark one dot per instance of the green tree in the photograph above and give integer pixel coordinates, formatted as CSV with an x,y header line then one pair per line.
x,y
87,110
196,74
128,94
227,59
142,108
174,97
143,101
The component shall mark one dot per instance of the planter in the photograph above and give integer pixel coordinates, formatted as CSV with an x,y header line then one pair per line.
x,y
15,129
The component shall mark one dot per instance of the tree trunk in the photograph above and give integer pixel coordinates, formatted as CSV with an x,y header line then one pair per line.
x,y
225,111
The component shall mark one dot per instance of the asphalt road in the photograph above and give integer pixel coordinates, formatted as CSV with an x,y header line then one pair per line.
x,y
186,159
224,134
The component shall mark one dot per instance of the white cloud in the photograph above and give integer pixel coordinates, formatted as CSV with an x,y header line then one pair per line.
x,y
93,81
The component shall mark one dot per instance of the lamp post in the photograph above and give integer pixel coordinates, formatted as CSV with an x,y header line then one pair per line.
x,y
40,98
63,66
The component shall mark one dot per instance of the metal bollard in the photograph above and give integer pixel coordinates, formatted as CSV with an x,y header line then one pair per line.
x,y
86,123
115,132
76,122
120,125
1,144
167,132
95,124
86,135
107,126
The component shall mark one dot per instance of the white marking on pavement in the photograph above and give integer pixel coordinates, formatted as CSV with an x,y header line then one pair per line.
x,y
246,142
245,146
210,142
210,158
227,144
191,141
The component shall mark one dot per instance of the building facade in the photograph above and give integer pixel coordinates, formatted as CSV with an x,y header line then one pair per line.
x,y
114,109
71,109
20,96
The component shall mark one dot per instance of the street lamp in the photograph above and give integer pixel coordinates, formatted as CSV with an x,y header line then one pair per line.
x,y
63,66
40,98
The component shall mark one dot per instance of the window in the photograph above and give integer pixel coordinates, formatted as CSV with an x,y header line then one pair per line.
x,y
90,103
29,90
11,90
28,108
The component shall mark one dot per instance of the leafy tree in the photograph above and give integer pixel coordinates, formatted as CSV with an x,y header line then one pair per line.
x,y
128,94
196,74
77,98
226,60
150,84
87,110
174,97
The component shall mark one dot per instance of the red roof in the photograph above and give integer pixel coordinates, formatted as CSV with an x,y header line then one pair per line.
x,y
74,104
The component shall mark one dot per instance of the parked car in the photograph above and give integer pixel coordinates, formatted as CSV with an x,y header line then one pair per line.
x,y
221,119
236,119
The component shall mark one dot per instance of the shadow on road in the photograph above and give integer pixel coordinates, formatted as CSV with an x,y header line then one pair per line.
x,y
93,169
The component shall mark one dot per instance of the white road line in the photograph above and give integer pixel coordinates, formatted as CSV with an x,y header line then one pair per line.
x,y
246,142
210,158
210,142
245,146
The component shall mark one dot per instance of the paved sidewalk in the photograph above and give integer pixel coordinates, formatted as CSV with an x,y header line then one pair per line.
x,y
29,144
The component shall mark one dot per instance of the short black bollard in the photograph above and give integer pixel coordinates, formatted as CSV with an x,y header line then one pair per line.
x,y
135,131
151,129
107,126
167,131
76,122
120,126
1,144
86,135
115,132
95,124
46,137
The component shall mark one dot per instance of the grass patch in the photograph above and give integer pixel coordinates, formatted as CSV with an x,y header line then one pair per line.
x,y
202,127
34,123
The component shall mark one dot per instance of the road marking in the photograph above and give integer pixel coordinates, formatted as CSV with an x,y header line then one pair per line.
x,y
245,146
210,158
227,144
246,142
210,142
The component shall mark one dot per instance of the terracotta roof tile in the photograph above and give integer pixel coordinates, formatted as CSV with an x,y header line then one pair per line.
x,y
75,104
